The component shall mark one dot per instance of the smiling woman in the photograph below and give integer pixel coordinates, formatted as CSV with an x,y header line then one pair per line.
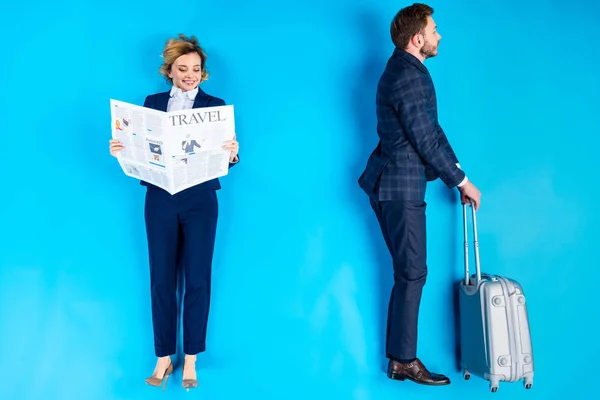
x,y
184,63
181,227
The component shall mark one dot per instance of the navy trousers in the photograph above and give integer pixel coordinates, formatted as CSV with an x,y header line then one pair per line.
x,y
181,231
403,226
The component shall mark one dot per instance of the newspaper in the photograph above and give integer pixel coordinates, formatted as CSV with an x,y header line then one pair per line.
x,y
172,150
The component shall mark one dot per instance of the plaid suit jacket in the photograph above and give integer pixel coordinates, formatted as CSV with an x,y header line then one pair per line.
x,y
413,149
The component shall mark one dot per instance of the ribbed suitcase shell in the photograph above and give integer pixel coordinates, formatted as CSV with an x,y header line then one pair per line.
x,y
495,338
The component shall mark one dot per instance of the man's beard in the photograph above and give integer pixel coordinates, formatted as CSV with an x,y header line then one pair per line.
x,y
428,50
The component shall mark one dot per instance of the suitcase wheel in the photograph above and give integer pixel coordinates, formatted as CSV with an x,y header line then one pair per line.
x,y
494,389
466,375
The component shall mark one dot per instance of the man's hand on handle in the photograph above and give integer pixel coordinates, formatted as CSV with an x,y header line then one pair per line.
x,y
469,192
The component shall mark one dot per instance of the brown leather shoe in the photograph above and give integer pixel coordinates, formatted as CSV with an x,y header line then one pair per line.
x,y
416,372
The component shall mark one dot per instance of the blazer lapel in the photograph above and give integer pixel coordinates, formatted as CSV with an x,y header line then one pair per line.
x,y
162,101
201,99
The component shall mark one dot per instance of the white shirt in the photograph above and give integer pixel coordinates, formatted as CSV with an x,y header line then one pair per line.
x,y
465,179
181,100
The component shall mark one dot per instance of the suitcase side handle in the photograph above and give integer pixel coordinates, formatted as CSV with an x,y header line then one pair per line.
x,y
475,243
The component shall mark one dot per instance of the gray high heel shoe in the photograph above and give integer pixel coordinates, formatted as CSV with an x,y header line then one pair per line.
x,y
188,384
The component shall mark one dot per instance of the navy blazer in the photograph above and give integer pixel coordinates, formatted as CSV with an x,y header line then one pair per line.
x,y
160,101
412,148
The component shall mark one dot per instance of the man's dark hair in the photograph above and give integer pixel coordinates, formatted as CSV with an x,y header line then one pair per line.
x,y
408,22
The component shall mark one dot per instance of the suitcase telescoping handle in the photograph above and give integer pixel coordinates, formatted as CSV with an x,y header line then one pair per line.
x,y
475,242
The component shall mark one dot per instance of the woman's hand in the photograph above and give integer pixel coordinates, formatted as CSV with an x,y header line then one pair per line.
x,y
115,147
233,146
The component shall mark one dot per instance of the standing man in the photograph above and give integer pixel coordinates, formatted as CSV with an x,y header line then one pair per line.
x,y
412,150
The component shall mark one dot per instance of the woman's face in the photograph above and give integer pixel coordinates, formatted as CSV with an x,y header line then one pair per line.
x,y
186,72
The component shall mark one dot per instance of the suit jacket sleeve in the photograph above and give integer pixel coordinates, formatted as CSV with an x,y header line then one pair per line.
x,y
444,141
412,101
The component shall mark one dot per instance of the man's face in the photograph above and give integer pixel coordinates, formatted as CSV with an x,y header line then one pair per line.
x,y
431,39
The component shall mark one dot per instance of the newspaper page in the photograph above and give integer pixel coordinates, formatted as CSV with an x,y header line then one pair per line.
x,y
173,150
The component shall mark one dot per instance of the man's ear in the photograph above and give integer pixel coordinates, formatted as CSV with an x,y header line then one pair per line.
x,y
417,40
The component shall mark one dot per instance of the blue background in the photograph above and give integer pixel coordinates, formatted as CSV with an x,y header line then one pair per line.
x,y
301,273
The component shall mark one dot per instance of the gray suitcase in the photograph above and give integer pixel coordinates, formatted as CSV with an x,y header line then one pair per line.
x,y
495,341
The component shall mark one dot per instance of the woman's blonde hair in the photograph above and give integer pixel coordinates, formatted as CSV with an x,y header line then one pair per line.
x,y
175,48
